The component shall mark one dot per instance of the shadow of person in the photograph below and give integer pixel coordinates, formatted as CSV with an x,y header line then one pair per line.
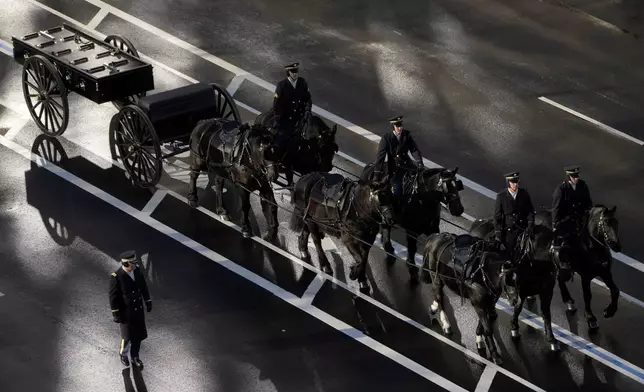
x,y
133,373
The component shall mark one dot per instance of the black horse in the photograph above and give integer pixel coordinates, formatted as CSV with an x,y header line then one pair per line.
x,y
240,154
350,210
538,267
311,149
419,208
472,268
591,258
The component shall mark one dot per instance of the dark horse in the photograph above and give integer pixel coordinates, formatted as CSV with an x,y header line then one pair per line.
x,y
240,154
472,268
591,258
419,209
538,267
311,149
350,210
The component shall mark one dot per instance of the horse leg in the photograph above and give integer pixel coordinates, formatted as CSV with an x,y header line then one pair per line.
x,y
545,299
386,244
565,295
269,207
486,322
611,309
590,317
514,323
358,269
412,244
317,241
437,305
219,198
480,344
193,199
245,206
303,241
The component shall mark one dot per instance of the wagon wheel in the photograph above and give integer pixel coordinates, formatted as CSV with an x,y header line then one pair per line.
x,y
137,144
124,45
45,95
52,150
226,107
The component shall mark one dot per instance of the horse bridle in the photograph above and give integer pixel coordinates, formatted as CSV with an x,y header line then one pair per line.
x,y
602,227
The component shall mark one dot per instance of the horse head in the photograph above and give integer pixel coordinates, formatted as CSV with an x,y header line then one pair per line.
x,y
603,227
263,151
445,183
320,142
381,198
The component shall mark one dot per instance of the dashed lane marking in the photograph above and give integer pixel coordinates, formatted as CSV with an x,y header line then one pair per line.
x,y
286,296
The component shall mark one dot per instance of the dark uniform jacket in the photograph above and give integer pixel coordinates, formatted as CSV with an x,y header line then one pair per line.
x,y
512,214
397,153
290,104
126,300
570,204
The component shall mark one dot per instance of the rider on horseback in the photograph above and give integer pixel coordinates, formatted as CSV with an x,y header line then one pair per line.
x,y
571,204
396,146
513,213
291,103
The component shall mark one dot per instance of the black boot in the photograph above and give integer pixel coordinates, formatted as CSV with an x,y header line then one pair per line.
x,y
137,362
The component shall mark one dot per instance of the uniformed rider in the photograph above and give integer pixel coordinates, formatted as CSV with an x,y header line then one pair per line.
x,y
128,293
396,146
291,103
571,204
513,213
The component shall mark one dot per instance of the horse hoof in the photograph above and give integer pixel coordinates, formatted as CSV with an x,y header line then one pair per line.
x,y
305,256
193,203
364,288
570,307
480,344
497,360
593,325
447,331
554,347
271,236
246,233
515,334
610,312
224,217
327,270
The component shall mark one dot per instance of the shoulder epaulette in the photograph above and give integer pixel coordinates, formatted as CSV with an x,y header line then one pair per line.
x,y
113,273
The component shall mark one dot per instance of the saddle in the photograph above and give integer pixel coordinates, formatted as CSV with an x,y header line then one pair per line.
x,y
228,138
465,257
331,191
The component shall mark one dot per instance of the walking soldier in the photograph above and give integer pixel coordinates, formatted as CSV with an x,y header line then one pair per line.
x,y
128,291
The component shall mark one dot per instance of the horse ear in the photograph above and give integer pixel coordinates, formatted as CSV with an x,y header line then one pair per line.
x,y
456,170
613,209
334,129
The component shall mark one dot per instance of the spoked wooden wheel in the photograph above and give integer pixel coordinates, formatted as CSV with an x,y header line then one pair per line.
x,y
124,45
45,95
226,107
137,144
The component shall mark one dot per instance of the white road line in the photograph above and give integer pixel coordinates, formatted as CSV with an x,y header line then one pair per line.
x,y
313,289
97,19
262,83
485,382
154,201
233,267
235,83
15,130
592,121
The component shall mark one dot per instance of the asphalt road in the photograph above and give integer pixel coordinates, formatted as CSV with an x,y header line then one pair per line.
x,y
85,145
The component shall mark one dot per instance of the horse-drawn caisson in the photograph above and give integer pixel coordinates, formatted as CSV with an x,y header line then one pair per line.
x,y
203,119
